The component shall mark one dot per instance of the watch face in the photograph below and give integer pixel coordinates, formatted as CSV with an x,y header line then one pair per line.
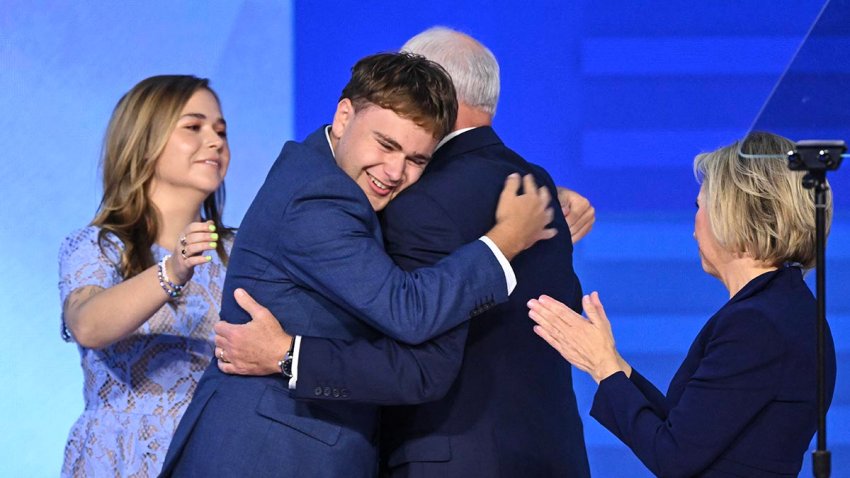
x,y
286,365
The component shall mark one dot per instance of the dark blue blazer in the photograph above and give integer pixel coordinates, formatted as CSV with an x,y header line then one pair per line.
x,y
310,249
743,402
511,410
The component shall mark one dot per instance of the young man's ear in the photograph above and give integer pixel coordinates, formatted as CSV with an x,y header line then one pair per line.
x,y
342,117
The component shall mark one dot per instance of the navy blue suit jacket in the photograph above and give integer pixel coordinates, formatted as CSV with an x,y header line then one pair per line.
x,y
743,403
310,249
511,411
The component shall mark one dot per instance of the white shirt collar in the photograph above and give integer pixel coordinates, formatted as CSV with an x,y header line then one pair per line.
x,y
328,137
451,136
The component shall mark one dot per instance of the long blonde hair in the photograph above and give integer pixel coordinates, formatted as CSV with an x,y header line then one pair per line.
x,y
137,134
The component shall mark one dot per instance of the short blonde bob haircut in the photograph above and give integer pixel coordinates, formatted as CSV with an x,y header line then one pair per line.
x,y
756,205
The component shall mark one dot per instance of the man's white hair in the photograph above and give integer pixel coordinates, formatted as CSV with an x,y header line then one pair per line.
x,y
472,66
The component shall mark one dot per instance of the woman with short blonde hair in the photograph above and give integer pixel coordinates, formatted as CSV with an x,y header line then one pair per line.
x,y
744,401
756,204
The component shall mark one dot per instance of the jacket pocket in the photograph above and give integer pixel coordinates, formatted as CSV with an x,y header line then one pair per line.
x,y
423,449
276,405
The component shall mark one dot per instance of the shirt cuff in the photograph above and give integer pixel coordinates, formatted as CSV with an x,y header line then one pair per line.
x,y
295,349
510,277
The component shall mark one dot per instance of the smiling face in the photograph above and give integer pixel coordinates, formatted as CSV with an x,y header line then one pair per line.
x,y
381,151
196,156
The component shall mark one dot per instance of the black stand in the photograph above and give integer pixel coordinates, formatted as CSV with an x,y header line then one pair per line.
x,y
818,157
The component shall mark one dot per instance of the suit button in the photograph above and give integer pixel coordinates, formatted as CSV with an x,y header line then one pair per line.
x,y
336,393
344,393
318,391
327,391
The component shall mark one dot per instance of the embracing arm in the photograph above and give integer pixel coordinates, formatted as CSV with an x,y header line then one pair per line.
x,y
382,371
578,212
332,248
418,233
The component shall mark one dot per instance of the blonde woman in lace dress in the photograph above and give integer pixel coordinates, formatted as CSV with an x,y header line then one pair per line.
x,y
141,286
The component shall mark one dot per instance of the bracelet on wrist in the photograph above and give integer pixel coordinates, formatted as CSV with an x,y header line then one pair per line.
x,y
173,290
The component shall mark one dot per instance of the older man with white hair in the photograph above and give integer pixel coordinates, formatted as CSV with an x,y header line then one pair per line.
x,y
511,411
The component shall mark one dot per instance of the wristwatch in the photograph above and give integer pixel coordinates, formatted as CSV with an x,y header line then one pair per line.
x,y
285,363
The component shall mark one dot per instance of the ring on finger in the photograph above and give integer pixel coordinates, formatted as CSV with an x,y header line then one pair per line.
x,y
183,241
183,253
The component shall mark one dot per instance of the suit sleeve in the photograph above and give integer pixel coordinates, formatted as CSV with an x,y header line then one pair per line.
x,y
385,371
656,399
737,377
330,246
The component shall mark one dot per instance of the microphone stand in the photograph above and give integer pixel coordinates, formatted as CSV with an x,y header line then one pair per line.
x,y
817,157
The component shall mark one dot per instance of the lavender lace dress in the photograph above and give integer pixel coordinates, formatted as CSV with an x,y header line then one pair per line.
x,y
136,390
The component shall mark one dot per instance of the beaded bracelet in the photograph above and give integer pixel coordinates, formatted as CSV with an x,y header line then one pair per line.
x,y
173,290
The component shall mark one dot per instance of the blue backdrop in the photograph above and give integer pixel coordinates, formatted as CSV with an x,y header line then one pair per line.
x,y
613,98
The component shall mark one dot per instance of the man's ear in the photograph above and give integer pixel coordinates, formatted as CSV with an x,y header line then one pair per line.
x,y
342,118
